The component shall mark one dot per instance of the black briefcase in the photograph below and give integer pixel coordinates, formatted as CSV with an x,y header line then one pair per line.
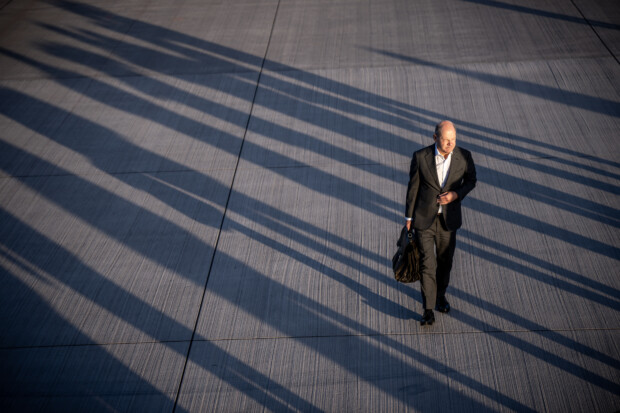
x,y
406,261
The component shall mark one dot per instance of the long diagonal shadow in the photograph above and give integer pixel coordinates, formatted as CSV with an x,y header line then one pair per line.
x,y
550,155
542,195
144,311
504,138
200,51
273,89
12,367
544,13
613,300
328,316
552,171
11,152
571,203
542,188
553,197
541,277
111,138
140,311
528,325
339,124
59,173
172,41
545,228
277,132
579,100
114,140
580,241
304,140
380,204
548,356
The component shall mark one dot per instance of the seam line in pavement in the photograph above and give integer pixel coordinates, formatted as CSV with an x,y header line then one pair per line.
x,y
232,184
316,165
563,58
96,76
418,333
595,32
311,70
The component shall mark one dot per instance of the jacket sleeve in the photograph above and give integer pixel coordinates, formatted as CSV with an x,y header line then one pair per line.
x,y
469,178
412,187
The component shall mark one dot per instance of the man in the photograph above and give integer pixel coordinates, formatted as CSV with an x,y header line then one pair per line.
x,y
440,177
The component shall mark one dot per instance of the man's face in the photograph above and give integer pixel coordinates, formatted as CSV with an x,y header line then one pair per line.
x,y
446,141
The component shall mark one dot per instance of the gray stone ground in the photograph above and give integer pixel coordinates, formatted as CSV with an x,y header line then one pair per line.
x,y
199,201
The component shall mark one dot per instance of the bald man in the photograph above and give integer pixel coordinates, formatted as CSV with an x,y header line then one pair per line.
x,y
440,177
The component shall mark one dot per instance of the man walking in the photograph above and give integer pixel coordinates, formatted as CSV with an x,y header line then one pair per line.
x,y
440,177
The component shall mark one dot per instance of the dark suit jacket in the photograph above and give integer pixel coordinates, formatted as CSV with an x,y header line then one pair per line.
x,y
424,187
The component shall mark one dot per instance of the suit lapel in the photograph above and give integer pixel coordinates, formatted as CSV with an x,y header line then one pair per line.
x,y
430,164
455,165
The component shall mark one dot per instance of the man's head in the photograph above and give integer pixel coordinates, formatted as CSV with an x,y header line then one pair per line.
x,y
445,137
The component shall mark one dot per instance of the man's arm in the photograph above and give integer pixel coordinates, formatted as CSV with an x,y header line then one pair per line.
x,y
469,178
412,190
468,183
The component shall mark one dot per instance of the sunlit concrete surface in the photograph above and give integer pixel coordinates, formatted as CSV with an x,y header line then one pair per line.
x,y
199,201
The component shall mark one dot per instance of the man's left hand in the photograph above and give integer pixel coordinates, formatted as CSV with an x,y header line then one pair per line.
x,y
447,197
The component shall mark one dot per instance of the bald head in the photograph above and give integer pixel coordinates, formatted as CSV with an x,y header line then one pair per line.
x,y
444,124
445,137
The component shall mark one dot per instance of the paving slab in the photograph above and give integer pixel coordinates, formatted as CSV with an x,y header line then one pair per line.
x,y
381,115
124,125
418,372
328,34
97,378
303,245
124,39
603,16
199,202
121,258
534,244
292,252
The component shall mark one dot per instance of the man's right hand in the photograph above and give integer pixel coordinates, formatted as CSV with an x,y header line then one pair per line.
x,y
408,225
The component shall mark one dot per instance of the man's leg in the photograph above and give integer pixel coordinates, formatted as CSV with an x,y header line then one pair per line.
x,y
428,265
446,244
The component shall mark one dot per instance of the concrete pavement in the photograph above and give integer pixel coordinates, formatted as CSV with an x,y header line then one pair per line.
x,y
199,201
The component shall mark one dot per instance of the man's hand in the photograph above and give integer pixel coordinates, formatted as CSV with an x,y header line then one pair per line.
x,y
447,197
408,225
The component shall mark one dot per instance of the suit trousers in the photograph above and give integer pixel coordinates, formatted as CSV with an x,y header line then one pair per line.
x,y
437,246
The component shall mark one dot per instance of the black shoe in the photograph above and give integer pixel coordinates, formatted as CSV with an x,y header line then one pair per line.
x,y
427,318
443,306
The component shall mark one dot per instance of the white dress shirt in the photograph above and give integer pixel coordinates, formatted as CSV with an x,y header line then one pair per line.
x,y
443,169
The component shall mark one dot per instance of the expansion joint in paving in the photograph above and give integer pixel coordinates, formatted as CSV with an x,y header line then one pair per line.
x,y
318,336
232,184
595,32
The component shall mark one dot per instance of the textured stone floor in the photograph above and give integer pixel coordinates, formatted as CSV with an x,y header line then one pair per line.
x,y
199,201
